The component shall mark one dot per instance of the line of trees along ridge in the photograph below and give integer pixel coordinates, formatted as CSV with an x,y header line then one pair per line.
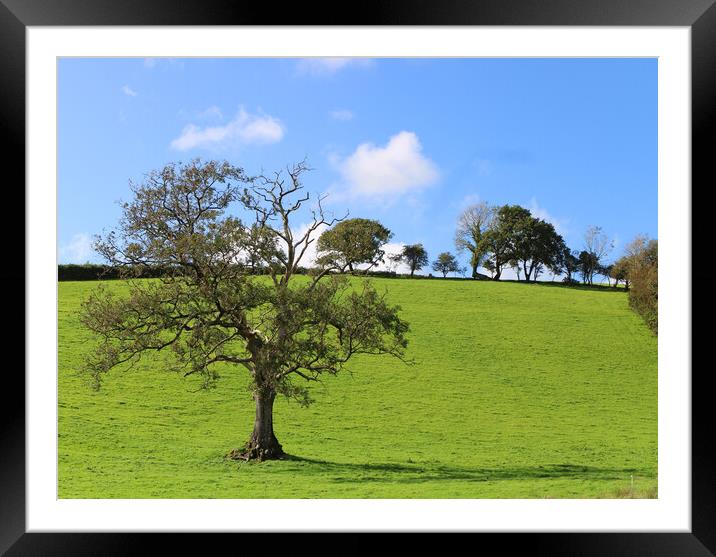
x,y
493,238
509,236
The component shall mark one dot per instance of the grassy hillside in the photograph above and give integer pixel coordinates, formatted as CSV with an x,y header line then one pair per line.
x,y
518,391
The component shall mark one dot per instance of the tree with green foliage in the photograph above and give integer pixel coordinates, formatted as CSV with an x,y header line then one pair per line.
x,y
536,245
557,265
490,268
606,272
567,262
446,263
472,224
500,238
642,255
588,264
208,310
353,242
414,256
620,271
258,242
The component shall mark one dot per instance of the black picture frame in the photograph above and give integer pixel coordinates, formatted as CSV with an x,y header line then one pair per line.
x,y
699,15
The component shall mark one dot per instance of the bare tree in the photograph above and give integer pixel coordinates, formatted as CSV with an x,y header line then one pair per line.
x,y
637,246
472,224
598,245
208,308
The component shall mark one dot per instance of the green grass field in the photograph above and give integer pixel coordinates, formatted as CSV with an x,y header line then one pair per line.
x,y
518,391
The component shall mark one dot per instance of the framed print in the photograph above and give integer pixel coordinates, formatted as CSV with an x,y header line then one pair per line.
x,y
401,269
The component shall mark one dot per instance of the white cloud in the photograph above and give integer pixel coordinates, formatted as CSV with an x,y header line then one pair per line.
x,y
127,90
382,172
560,225
342,115
328,66
78,250
244,128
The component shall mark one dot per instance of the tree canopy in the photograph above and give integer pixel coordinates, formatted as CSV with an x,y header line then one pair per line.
x,y
415,256
353,242
620,271
210,312
535,245
503,238
567,262
446,263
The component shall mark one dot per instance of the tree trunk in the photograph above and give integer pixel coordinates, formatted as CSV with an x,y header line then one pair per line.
x,y
263,444
475,263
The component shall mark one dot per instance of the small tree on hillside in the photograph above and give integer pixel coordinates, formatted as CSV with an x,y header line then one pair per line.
x,y
558,263
606,272
587,266
353,242
620,271
597,245
208,310
446,263
414,256
500,238
536,245
568,263
472,224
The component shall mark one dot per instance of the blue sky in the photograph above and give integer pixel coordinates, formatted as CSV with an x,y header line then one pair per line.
x,y
409,142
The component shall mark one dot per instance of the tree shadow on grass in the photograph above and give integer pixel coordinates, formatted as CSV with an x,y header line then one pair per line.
x,y
416,473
